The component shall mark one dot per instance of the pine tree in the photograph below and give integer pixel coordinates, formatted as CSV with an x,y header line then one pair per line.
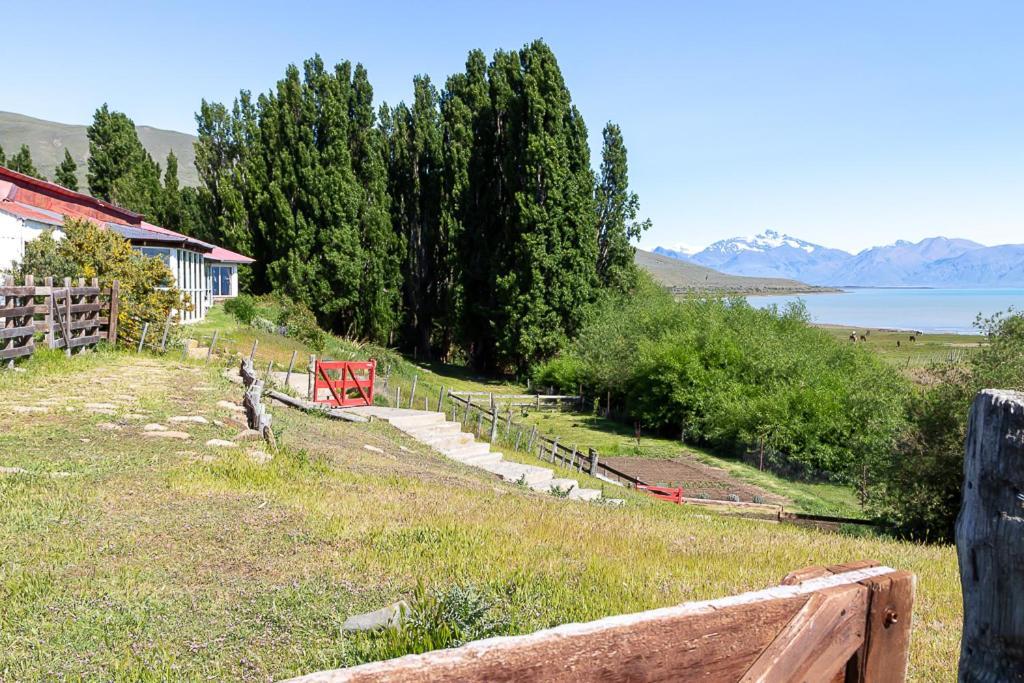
x,y
617,210
67,172
3,157
22,163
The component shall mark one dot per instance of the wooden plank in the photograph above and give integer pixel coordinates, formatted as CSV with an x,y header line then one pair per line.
x,y
19,291
713,642
17,351
21,311
818,642
86,308
115,295
890,611
24,331
85,341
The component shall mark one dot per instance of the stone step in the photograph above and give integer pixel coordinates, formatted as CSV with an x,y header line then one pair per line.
x,y
468,450
584,494
564,484
482,459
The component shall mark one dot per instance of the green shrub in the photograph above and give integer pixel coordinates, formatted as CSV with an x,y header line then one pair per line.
x,y
435,619
242,307
723,374
302,325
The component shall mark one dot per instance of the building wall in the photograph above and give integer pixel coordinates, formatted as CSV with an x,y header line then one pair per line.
x,y
14,233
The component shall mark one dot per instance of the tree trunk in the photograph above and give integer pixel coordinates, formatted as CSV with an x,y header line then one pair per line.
x,y
990,540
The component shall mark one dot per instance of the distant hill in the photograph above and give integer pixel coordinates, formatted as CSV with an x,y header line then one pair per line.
x,y
47,140
932,262
681,277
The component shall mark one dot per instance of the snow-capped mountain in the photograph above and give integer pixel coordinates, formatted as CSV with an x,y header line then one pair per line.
x,y
932,262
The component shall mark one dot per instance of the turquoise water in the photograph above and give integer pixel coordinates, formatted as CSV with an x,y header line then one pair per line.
x,y
928,310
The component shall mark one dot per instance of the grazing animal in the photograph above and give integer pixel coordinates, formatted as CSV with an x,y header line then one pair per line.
x,y
863,338
897,343
853,337
913,338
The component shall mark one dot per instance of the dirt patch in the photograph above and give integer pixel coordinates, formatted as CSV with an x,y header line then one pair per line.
x,y
697,479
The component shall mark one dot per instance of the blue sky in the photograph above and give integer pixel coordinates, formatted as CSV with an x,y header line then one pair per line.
x,y
845,123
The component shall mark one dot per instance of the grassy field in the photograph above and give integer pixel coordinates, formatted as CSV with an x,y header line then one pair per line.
x,y
129,558
927,349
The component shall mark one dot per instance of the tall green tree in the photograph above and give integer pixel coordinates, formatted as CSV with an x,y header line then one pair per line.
x,y
3,157
67,172
171,206
617,209
22,163
114,151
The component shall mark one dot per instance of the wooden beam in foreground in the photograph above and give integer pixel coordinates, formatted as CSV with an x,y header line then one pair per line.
x,y
819,626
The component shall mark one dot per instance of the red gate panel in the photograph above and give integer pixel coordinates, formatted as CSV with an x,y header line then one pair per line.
x,y
343,384
672,495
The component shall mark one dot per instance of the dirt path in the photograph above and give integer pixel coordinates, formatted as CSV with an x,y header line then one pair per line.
x,y
697,479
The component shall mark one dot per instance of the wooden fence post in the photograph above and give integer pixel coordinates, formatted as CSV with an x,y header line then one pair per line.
x,y
114,311
213,342
291,366
412,392
494,420
310,374
142,337
252,354
167,329
67,317
440,401
593,462
990,539
51,339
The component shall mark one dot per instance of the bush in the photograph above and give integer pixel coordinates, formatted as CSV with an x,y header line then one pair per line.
x,y
242,307
301,324
87,250
721,373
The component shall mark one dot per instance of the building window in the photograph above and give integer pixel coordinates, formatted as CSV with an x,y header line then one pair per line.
x,y
221,276
158,252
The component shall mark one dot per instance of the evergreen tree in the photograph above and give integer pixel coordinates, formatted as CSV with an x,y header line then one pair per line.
x,y
22,163
617,209
171,213
139,188
120,170
3,157
67,172
415,166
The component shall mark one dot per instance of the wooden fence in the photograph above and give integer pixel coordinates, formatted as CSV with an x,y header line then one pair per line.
x,y
846,623
68,316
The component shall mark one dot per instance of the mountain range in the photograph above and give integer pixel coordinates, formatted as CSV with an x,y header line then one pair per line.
x,y
932,262
47,140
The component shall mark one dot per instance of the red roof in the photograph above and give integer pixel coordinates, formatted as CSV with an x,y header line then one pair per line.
x,y
46,202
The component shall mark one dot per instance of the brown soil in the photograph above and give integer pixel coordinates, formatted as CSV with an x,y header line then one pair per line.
x,y
696,478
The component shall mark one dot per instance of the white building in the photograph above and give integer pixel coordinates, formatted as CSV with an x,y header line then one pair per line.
x,y
28,206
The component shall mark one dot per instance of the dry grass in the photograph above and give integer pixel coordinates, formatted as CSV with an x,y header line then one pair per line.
x,y
157,561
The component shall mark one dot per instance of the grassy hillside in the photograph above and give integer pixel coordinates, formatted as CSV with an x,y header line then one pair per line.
x,y
124,557
47,140
682,277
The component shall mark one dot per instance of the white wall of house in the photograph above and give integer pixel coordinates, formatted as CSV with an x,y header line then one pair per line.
x,y
191,276
14,233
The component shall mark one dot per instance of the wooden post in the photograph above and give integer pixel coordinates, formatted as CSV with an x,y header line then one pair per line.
x,y
480,423
533,436
270,369
142,337
213,342
398,397
519,436
51,339
310,373
572,460
494,420
412,392
184,348
167,329
440,401
291,366
990,539
593,462
554,450
465,416
252,354
114,311
67,316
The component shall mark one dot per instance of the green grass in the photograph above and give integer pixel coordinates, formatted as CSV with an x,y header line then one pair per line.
x,y
927,349
173,561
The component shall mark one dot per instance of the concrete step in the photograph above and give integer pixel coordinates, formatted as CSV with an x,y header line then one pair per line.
x,y
482,459
449,442
584,494
433,430
515,473
422,419
564,484
468,450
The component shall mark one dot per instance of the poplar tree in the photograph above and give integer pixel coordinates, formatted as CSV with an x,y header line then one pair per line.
x,y
3,157
617,209
66,174
114,150
171,209
22,163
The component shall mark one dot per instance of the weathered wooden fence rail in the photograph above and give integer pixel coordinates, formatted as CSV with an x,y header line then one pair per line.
x,y
846,623
68,316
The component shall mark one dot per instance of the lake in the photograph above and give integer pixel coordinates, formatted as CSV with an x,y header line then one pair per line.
x,y
928,310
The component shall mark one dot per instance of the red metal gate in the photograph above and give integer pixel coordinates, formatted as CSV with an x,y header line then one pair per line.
x,y
672,495
343,384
